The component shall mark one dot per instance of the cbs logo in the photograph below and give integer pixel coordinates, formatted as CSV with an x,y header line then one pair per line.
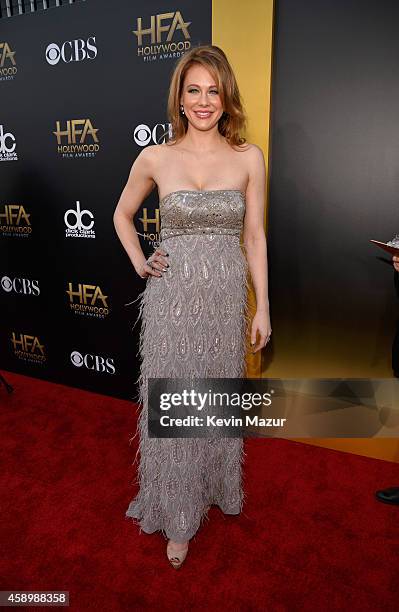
x,y
143,134
71,51
20,285
93,362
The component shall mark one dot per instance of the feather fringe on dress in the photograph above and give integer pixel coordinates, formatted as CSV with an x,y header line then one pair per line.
x,y
179,479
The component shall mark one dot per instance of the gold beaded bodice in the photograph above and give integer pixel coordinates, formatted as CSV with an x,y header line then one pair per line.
x,y
217,211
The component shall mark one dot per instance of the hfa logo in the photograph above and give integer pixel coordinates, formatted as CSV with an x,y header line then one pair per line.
x,y
14,220
77,138
150,222
8,146
88,300
28,348
8,66
157,39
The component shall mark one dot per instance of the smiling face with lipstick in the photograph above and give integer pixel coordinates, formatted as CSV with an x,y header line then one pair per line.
x,y
200,98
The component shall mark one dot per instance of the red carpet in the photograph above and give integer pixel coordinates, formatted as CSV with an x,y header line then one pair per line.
x,y
311,535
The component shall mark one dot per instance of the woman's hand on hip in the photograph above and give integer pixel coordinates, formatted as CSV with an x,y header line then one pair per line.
x,y
154,265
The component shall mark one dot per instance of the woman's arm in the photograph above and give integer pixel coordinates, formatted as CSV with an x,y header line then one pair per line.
x,y
255,244
139,185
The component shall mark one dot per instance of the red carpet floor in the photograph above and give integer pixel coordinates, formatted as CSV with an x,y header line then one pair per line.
x,y
311,536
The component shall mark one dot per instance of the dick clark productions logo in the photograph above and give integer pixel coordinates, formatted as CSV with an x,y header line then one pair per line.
x,y
76,227
8,146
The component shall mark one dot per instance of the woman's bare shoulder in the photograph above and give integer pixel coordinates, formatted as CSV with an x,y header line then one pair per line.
x,y
153,154
254,158
250,148
160,150
148,153
153,149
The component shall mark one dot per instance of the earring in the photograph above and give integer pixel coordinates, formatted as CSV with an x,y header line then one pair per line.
x,y
181,109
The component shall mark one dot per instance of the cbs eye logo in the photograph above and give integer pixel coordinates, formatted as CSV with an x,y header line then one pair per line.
x,y
143,134
6,283
71,51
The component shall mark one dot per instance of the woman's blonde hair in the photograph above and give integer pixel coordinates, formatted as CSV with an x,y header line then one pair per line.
x,y
233,121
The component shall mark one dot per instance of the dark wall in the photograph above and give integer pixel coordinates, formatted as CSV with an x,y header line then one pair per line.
x,y
334,185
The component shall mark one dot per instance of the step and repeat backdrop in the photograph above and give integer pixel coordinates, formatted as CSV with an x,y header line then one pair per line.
x,y
83,89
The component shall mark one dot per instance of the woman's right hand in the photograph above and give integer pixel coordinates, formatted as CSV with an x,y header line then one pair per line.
x,y
156,263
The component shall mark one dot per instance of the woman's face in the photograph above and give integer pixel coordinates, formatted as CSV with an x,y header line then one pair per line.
x,y
200,98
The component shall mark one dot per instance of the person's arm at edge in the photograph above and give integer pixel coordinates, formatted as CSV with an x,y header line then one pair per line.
x,y
139,185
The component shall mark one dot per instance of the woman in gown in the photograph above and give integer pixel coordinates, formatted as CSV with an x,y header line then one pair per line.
x,y
194,309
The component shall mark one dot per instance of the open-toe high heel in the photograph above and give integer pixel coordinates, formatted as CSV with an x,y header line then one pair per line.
x,y
176,557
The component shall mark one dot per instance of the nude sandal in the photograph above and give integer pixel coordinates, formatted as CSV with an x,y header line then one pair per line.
x,y
176,557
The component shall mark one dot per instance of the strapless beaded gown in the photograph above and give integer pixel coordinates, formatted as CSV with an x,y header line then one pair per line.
x,y
194,322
